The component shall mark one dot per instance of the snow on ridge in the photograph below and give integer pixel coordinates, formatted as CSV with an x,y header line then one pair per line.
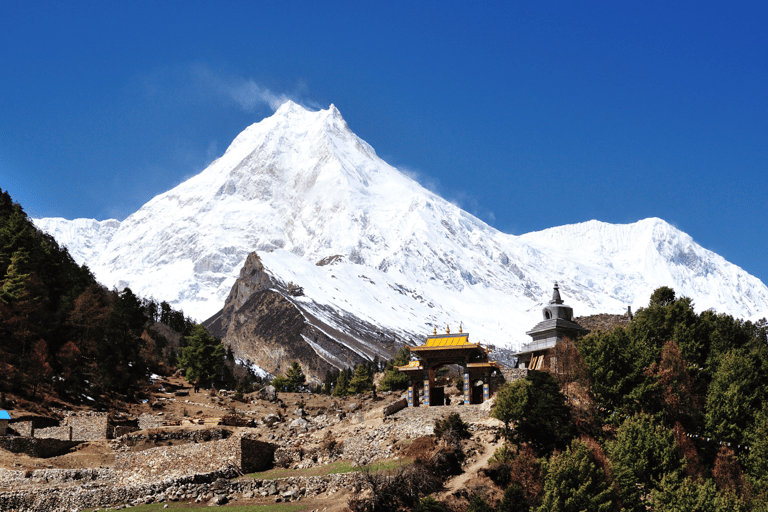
x,y
82,237
300,186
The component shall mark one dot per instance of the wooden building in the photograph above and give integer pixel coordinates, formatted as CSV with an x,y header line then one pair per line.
x,y
441,350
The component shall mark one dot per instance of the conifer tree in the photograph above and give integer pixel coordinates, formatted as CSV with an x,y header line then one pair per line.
x,y
203,356
361,380
642,454
393,378
295,376
342,385
574,483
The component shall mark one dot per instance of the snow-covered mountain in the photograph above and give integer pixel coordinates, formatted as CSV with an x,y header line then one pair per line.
x,y
364,241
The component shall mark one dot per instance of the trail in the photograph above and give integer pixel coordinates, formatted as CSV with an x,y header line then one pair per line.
x,y
470,472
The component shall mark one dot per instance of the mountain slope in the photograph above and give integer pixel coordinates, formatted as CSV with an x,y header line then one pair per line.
x,y
369,245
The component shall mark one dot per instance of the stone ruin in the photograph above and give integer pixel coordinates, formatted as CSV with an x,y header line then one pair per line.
x,y
76,426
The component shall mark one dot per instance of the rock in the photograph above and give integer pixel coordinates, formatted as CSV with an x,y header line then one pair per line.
x,y
268,393
299,423
220,500
353,407
271,420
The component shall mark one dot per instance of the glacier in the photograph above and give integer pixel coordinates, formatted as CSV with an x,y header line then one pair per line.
x,y
324,212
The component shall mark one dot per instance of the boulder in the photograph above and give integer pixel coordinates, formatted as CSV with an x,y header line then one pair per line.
x,y
268,393
271,420
299,423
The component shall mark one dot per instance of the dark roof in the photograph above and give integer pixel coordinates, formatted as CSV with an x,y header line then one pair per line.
x,y
556,296
556,323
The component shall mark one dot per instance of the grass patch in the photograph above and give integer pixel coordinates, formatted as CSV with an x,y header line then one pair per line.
x,y
329,469
334,468
276,507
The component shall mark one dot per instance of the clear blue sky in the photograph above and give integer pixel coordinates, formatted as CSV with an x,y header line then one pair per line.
x,y
528,116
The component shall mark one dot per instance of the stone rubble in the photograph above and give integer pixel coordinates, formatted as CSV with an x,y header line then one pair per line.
x,y
197,465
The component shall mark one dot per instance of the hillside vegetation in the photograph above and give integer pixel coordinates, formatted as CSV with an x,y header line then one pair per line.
x,y
669,412
65,335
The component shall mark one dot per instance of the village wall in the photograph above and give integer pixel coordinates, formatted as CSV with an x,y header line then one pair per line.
x,y
88,426
254,455
395,406
63,433
513,374
23,428
150,421
39,448
123,430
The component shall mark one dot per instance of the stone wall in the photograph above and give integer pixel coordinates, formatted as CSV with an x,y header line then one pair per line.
x,y
240,453
39,448
150,421
395,406
122,430
88,426
513,374
101,489
23,428
198,436
254,455
63,433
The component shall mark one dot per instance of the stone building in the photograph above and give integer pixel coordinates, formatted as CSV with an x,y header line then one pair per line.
x,y
4,419
556,325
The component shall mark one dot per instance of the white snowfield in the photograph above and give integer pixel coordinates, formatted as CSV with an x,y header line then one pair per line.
x,y
299,187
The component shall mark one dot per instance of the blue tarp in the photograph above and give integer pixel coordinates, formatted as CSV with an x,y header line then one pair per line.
x,y
4,415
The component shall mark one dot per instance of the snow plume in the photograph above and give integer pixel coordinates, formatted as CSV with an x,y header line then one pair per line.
x,y
250,95
198,82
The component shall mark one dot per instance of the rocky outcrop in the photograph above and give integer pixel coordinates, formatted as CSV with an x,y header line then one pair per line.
x,y
264,323
603,322
252,279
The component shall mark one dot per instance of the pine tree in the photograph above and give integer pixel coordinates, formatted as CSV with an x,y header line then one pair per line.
x,y
342,385
203,356
361,380
295,376
575,483
393,378
39,368
642,454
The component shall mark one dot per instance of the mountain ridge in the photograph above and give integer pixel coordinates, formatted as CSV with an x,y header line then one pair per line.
x,y
300,187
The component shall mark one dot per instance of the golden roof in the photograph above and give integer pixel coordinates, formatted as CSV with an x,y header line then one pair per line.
x,y
488,364
446,341
412,365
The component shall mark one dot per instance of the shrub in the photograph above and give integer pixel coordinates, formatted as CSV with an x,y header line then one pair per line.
x,y
514,500
479,505
451,426
429,504
394,490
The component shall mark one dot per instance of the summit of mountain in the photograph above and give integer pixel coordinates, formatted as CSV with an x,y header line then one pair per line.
x,y
370,246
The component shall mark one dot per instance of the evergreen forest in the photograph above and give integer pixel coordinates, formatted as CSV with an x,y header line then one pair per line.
x,y
667,413
66,337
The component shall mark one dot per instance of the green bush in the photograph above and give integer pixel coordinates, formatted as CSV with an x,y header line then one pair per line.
x,y
429,504
452,425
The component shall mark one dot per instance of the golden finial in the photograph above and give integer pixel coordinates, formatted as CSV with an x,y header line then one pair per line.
x,y
461,329
447,329
434,332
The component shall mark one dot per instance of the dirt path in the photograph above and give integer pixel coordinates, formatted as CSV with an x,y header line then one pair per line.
x,y
457,482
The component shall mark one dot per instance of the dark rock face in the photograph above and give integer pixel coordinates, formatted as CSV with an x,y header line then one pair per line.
x,y
252,279
265,323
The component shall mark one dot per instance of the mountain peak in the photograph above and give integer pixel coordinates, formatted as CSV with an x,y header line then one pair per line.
x,y
289,107
300,187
